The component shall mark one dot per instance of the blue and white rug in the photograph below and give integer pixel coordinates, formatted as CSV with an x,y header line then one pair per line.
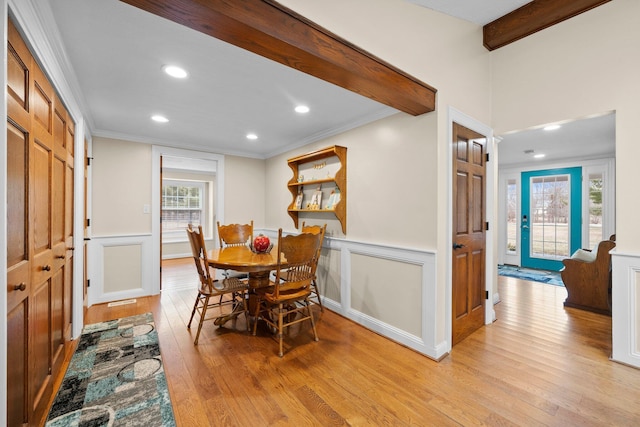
x,y
543,276
115,378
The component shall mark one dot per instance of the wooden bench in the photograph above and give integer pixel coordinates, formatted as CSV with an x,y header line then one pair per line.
x,y
587,278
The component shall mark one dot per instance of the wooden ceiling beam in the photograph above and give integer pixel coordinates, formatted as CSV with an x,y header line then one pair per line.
x,y
269,29
533,17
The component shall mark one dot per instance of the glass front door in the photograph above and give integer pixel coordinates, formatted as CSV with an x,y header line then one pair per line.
x,y
551,217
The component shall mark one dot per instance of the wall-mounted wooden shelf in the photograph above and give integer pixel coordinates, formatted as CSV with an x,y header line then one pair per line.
x,y
336,156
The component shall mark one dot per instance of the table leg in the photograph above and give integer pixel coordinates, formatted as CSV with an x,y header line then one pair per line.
x,y
259,279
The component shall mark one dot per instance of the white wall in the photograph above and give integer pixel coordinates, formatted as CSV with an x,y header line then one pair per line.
x,y
245,191
121,187
391,177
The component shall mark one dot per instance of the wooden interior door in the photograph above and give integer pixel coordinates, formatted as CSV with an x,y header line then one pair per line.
x,y
468,264
40,238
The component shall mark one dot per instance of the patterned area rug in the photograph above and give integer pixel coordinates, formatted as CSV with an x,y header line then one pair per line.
x,y
115,378
543,276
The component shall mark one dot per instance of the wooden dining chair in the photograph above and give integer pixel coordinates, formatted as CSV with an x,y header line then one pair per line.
x,y
235,235
217,300
280,304
315,229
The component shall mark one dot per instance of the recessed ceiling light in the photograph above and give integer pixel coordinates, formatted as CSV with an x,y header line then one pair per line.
x,y
252,136
552,127
160,119
302,109
538,156
175,71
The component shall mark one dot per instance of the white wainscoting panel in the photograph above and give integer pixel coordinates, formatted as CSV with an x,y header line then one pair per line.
x,y
624,307
405,262
106,253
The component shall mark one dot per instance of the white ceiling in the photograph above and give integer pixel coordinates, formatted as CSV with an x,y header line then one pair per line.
x,y
586,138
117,52
479,11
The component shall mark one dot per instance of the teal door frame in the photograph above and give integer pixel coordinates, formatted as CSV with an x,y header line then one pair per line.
x,y
575,217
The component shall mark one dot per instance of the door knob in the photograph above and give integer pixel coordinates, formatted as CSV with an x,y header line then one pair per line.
x,y
457,246
46,268
20,287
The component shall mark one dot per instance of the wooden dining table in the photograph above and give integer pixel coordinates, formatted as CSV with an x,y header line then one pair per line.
x,y
242,258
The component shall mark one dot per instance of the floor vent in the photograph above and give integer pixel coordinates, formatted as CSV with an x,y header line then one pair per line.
x,y
123,302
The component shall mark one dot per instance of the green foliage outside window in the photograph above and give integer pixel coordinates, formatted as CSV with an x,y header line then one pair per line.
x,y
595,195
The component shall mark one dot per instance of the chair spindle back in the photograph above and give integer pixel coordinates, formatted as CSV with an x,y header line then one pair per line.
x,y
235,234
296,260
199,251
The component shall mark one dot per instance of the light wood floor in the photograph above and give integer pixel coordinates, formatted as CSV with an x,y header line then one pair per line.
x,y
538,364
179,273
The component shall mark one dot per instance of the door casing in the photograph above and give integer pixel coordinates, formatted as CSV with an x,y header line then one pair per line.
x,y
157,152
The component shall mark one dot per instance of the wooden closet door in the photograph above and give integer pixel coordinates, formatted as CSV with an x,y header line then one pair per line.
x,y
63,137
18,237
62,230
68,228
45,277
40,239
18,275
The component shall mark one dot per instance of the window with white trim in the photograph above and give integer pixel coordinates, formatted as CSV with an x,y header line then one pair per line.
x,y
183,203
512,216
596,185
